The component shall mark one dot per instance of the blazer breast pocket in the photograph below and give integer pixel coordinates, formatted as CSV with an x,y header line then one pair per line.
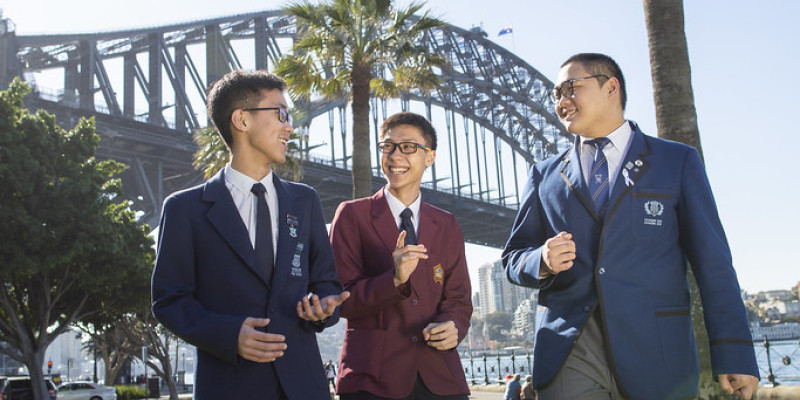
x,y
653,215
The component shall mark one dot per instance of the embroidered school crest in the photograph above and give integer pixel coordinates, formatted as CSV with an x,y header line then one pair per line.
x,y
438,274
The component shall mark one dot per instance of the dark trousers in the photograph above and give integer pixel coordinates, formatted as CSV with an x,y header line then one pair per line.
x,y
420,392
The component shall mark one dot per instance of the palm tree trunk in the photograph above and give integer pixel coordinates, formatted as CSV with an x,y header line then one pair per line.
x,y
669,65
676,119
362,167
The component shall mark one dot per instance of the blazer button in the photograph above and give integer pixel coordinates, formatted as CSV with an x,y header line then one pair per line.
x,y
602,271
414,302
587,308
414,339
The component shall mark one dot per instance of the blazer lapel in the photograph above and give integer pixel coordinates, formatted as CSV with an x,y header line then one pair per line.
x,y
225,218
382,221
284,251
572,174
633,167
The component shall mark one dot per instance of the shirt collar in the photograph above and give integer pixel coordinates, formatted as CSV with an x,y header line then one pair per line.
x,y
618,138
244,183
397,206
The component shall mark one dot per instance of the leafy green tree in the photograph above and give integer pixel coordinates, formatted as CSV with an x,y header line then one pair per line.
x,y
354,48
70,244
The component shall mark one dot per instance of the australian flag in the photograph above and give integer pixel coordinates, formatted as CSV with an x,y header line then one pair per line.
x,y
505,31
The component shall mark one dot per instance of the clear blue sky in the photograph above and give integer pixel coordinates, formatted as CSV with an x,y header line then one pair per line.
x,y
744,60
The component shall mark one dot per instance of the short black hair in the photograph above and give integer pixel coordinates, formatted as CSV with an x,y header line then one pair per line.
x,y
238,89
416,120
601,64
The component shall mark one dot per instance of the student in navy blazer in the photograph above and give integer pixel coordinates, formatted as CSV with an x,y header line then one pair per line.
x,y
255,334
616,317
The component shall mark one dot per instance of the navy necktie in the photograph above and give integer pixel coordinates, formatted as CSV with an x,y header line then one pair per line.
x,y
598,175
264,251
408,226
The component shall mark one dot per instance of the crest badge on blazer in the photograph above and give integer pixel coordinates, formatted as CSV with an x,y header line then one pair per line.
x,y
438,274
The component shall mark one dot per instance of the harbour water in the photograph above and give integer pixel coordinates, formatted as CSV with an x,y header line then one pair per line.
x,y
782,356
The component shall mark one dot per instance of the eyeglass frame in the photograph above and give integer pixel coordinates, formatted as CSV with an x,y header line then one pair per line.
x,y
400,145
283,113
557,93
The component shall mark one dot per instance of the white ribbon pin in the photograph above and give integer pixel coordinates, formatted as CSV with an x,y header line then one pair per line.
x,y
628,180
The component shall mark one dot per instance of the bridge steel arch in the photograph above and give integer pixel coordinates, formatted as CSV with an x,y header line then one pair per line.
x,y
146,88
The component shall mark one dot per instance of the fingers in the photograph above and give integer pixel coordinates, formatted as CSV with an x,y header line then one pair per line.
x,y
316,309
743,386
559,252
259,346
725,383
406,259
311,310
401,240
441,335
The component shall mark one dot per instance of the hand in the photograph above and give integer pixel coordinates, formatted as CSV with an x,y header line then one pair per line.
x,y
557,254
406,259
441,335
740,385
258,346
318,310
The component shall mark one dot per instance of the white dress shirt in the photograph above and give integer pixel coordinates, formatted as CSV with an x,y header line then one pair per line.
x,y
246,202
396,207
615,151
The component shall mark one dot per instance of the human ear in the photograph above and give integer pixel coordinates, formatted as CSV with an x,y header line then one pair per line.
x,y
239,120
430,158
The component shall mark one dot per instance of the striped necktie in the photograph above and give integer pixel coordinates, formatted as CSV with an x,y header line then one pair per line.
x,y
598,175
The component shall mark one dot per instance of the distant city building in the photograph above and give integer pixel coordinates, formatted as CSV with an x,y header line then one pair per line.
x,y
523,325
10,366
66,353
476,304
783,295
497,293
779,309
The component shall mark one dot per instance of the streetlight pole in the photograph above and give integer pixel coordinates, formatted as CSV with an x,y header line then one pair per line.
x,y
95,362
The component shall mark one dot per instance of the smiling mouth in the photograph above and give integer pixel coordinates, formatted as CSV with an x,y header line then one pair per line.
x,y
398,170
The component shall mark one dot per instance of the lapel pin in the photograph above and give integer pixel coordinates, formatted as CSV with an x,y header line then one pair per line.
x,y
628,181
291,220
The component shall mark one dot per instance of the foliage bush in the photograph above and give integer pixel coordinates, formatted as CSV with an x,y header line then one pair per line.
x,y
128,392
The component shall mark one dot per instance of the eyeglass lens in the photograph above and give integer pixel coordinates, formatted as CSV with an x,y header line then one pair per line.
x,y
405,147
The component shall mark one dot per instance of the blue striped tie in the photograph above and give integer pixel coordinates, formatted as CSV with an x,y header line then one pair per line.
x,y
598,175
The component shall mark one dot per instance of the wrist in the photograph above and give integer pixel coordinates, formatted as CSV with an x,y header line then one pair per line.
x,y
546,271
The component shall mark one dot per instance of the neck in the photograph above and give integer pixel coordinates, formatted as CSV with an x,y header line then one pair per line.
x,y
405,196
254,170
605,129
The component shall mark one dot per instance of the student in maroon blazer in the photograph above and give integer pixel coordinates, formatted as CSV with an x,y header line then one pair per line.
x,y
410,299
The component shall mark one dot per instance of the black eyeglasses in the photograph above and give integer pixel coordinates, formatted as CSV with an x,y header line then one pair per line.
x,y
405,147
567,88
283,114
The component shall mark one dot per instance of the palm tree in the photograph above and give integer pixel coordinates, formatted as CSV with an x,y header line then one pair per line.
x,y
676,119
355,48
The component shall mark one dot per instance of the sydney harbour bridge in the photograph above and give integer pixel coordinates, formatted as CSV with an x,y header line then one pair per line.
x,y
146,89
